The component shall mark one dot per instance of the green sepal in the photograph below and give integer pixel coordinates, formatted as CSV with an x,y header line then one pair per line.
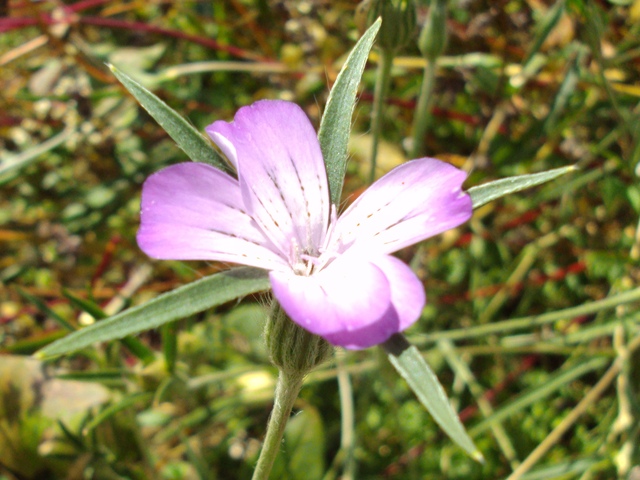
x,y
399,20
291,348
433,36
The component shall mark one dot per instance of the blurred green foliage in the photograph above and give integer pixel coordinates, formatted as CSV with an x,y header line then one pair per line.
x,y
523,86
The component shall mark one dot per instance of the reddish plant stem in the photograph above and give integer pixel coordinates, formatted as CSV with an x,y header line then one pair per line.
x,y
145,27
107,256
436,111
8,24
86,4
526,364
535,278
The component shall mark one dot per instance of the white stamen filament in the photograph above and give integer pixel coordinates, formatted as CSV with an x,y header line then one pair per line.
x,y
305,262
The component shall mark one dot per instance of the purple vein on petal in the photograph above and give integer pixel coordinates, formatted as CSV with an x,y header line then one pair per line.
x,y
413,202
192,211
278,159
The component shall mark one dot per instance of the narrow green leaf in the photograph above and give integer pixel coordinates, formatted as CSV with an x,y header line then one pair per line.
x,y
523,323
182,302
567,88
410,364
111,410
547,24
490,191
85,305
71,437
575,468
135,346
10,162
30,345
192,142
44,308
552,384
335,126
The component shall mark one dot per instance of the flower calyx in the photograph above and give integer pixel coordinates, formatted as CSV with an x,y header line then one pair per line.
x,y
291,348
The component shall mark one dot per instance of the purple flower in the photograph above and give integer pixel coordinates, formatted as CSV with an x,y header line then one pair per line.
x,y
334,276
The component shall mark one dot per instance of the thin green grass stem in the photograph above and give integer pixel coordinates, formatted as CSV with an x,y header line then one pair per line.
x,y
464,373
347,419
287,389
530,321
571,418
344,460
422,117
383,80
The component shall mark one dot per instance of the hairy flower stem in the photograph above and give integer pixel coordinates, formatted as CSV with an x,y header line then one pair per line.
x,y
383,79
287,389
422,116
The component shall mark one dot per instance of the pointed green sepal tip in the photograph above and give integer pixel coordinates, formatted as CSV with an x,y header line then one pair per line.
x,y
477,456
483,194
192,142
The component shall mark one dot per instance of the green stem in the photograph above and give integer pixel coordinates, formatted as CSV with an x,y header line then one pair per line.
x,y
383,79
347,419
287,389
423,110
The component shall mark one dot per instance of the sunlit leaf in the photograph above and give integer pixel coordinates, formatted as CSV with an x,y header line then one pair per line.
x,y
408,361
180,303
335,125
192,142
488,192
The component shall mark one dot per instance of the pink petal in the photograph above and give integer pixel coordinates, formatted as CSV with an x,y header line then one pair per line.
x,y
192,211
352,302
407,292
414,201
281,172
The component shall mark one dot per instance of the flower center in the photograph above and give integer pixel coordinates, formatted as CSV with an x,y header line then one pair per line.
x,y
302,261
311,260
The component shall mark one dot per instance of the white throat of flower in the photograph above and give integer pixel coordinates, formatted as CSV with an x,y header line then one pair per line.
x,y
311,260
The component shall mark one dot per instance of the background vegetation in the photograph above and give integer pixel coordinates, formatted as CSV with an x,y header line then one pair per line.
x,y
532,323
